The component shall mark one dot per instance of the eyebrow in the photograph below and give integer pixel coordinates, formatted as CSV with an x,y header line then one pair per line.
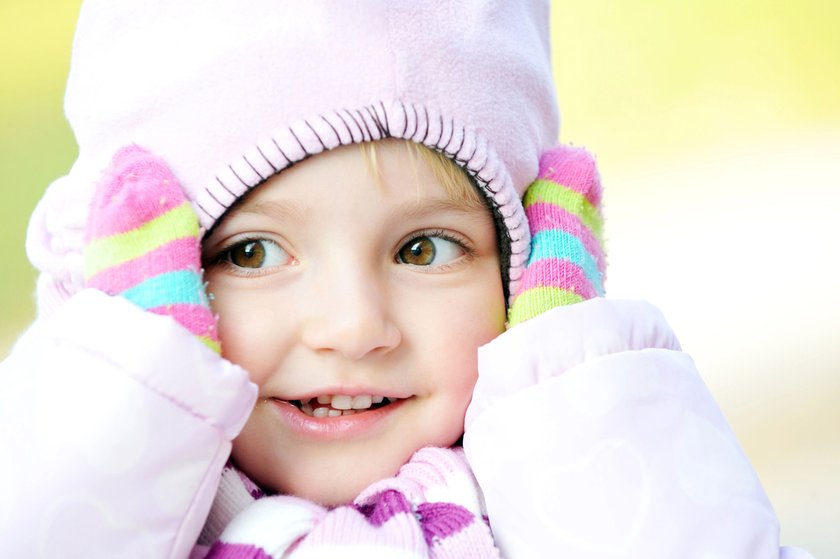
x,y
415,209
425,208
281,211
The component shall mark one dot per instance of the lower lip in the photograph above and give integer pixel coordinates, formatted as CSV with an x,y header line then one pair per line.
x,y
328,428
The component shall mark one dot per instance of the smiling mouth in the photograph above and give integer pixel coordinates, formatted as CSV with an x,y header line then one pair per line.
x,y
341,404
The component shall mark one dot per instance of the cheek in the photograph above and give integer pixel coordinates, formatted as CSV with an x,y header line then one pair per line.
x,y
463,324
481,323
249,331
481,316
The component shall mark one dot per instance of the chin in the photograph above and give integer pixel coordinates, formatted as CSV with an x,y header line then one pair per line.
x,y
332,490
331,497
328,484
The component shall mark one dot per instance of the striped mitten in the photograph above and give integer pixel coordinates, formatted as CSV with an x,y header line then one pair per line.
x,y
567,262
142,243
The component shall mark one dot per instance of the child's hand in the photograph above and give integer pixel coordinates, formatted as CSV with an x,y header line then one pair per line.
x,y
567,260
143,243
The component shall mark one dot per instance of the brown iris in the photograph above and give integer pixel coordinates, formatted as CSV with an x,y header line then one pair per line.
x,y
248,255
419,252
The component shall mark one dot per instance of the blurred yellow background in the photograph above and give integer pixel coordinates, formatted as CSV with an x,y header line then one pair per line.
x,y
717,129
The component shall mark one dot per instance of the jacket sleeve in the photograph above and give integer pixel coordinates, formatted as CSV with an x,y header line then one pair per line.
x,y
114,427
593,436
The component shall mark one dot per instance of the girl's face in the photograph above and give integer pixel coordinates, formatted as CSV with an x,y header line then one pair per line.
x,y
339,289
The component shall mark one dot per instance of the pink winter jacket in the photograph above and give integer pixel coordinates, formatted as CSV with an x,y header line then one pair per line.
x,y
590,433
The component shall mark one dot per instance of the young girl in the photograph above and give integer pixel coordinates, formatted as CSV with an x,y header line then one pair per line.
x,y
399,355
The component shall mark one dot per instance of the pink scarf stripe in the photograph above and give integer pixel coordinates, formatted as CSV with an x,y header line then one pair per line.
x,y
198,319
549,216
563,274
117,279
154,182
575,169
394,528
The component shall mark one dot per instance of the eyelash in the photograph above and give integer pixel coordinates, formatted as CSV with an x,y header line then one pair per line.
x,y
221,257
463,244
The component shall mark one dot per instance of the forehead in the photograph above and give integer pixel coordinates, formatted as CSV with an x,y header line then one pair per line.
x,y
387,172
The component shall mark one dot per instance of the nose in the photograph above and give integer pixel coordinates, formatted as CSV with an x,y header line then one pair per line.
x,y
349,314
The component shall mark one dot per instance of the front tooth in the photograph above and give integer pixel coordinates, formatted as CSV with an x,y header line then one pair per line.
x,y
377,399
334,413
362,402
320,412
342,402
325,399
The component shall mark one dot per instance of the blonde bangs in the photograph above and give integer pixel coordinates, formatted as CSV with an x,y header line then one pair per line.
x,y
454,180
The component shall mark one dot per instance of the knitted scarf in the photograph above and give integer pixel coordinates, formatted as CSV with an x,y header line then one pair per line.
x,y
431,509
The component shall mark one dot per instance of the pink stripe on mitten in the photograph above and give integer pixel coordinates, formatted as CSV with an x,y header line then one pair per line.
x,y
575,169
132,165
567,261
143,243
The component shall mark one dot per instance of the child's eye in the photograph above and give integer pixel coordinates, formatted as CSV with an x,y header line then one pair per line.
x,y
256,253
429,250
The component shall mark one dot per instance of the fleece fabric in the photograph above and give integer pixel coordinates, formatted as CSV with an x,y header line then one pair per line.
x,y
591,435
230,93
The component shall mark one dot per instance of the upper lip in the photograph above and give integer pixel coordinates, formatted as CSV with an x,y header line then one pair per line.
x,y
308,395
342,404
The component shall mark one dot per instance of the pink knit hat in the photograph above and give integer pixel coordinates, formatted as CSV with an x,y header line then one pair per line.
x,y
230,93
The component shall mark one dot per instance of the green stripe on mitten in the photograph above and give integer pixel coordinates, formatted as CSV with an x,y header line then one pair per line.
x,y
567,262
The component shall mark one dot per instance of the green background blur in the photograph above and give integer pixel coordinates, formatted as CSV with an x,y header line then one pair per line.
x,y
717,128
